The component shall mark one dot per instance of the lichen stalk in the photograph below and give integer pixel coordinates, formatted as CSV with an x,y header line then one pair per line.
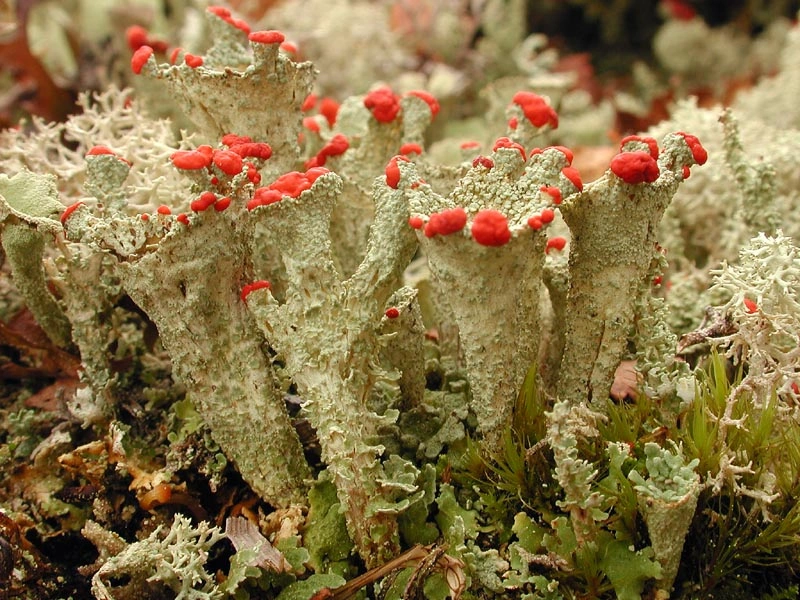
x,y
327,332
492,290
216,350
613,237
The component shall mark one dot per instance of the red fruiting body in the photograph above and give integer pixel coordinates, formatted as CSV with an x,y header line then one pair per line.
x,y
220,11
222,204
252,174
252,287
555,243
260,150
311,124
686,171
652,145
446,222
392,171
565,151
490,228
190,160
231,139
139,58
750,306
432,102
329,108
504,142
410,148
202,203
228,161
698,152
98,150
183,218
309,103
680,10
289,47
173,56
536,109
291,184
192,60
144,217
392,313
572,174
553,192
315,173
136,36
635,167
267,37
535,222
416,222
164,210
548,214
469,145
225,14
484,161
337,145
264,196
513,123
383,104
68,211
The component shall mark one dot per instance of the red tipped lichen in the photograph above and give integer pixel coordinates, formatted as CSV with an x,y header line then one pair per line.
x,y
222,204
329,108
572,174
225,14
267,37
228,161
260,150
416,222
553,192
432,102
140,57
193,60
202,203
750,306
446,222
263,197
164,210
555,243
536,109
191,160
635,167
483,161
252,287
505,142
231,139
392,171
68,211
335,146
383,104
490,228
651,143
699,153
410,148
392,313
136,36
